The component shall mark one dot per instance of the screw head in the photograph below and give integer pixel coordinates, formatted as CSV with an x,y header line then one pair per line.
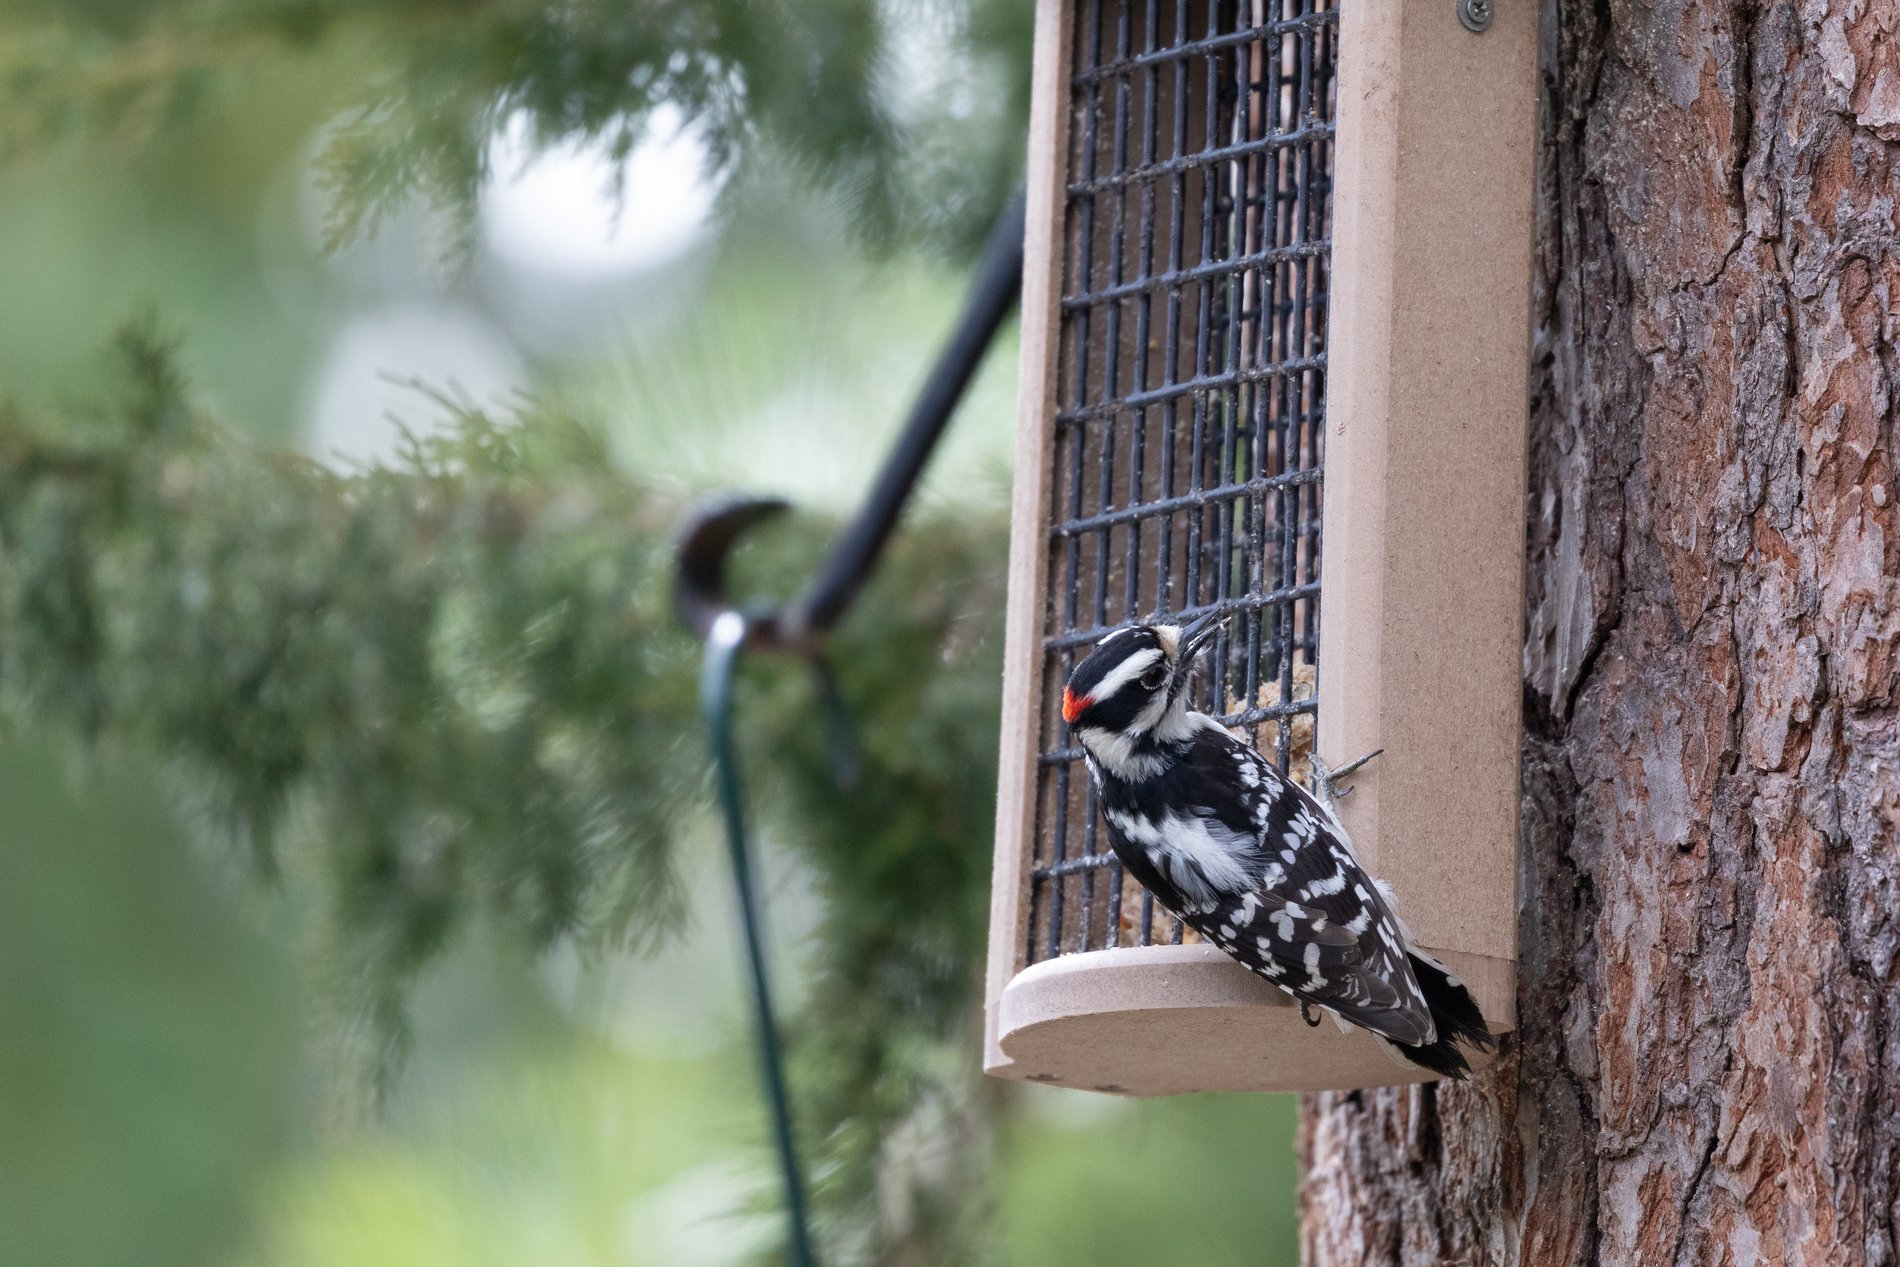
x,y
1475,15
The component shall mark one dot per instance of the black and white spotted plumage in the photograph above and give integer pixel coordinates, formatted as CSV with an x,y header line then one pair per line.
x,y
1249,859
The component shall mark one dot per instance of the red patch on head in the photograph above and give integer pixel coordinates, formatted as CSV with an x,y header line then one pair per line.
x,y
1072,706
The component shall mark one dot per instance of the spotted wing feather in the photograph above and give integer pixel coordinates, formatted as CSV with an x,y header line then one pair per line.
x,y
1297,948
1313,923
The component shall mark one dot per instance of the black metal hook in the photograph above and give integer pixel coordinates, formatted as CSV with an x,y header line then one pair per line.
x,y
713,531
707,539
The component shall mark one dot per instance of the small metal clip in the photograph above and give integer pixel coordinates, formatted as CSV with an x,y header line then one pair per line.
x,y
1475,15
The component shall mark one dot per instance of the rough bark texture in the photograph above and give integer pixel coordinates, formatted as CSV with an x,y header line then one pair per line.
x,y
1708,1069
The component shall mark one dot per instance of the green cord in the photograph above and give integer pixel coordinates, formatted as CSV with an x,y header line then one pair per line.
x,y
723,643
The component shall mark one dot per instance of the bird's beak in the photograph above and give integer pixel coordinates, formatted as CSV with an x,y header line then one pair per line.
x,y
1197,635
1193,640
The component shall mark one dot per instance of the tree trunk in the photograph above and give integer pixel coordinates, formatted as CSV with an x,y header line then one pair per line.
x,y
1708,1065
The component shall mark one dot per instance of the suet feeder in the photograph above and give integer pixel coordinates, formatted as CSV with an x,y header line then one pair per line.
x,y
1275,313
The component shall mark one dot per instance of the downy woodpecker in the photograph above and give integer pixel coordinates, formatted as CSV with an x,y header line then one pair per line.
x,y
1249,859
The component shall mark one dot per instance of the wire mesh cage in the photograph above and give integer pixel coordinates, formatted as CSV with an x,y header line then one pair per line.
x,y
1179,293
1191,375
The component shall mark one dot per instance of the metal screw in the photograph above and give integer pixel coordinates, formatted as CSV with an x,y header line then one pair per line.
x,y
1475,15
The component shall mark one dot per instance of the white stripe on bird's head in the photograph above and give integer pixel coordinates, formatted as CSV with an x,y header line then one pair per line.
x,y
1124,673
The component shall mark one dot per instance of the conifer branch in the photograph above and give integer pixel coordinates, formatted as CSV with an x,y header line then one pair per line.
x,y
453,689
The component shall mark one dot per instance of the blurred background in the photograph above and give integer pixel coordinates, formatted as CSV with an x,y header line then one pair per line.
x,y
360,902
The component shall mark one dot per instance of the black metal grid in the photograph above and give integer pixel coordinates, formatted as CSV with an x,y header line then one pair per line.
x,y
1191,392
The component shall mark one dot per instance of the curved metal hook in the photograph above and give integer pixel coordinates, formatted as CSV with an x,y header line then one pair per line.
x,y
710,535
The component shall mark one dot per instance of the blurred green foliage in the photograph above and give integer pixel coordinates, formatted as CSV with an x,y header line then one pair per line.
x,y
791,369
202,223
1197,1180
853,94
468,677
572,1158
461,682
147,1034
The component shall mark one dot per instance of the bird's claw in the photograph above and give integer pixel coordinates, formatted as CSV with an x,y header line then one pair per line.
x,y
1325,780
1306,1014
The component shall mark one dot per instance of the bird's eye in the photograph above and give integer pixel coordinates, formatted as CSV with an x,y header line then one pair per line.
x,y
1153,678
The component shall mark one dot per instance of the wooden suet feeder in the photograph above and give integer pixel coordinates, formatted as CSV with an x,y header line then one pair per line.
x,y
1275,311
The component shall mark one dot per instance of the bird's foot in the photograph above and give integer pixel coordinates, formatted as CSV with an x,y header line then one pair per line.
x,y
1308,1015
1325,780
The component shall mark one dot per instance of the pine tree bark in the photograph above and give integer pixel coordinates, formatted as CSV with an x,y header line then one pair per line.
x,y
1708,1065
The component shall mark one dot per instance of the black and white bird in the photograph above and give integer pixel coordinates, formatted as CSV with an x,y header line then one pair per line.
x,y
1249,859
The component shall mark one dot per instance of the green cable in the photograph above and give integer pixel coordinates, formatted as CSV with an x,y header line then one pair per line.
x,y
715,698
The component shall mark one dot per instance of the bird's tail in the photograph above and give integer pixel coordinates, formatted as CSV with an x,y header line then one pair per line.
x,y
1455,1014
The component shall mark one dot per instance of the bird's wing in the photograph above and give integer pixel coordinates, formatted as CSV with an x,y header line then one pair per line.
x,y
1299,949
1312,890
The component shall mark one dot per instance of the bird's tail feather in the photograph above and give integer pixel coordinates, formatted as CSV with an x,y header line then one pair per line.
x,y
1442,1058
1455,1014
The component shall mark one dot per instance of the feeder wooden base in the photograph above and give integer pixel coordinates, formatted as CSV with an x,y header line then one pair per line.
x,y
1162,1020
